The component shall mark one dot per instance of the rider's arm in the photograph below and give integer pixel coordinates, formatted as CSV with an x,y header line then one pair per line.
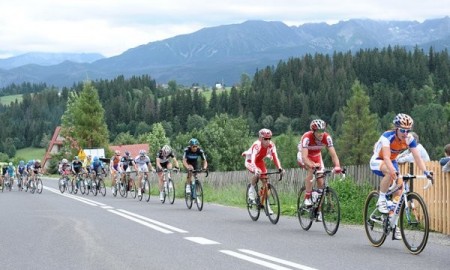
x,y
418,160
334,156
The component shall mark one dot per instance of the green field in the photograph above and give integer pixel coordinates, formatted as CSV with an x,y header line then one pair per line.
x,y
30,153
6,100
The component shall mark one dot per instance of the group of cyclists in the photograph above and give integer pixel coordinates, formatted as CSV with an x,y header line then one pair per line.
x,y
383,162
23,172
165,159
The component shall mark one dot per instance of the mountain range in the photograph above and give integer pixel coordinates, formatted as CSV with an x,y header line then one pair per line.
x,y
223,53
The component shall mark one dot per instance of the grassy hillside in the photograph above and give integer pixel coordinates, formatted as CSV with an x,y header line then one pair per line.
x,y
6,100
30,153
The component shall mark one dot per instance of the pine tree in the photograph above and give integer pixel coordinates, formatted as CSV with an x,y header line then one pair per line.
x,y
359,130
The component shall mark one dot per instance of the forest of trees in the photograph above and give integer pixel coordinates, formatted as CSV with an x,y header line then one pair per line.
x,y
357,94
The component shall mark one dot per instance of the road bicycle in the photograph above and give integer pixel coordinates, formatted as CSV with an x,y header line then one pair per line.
x,y
168,186
8,182
34,184
325,204
78,183
410,212
21,179
90,183
97,178
65,184
119,186
145,188
195,190
265,198
130,185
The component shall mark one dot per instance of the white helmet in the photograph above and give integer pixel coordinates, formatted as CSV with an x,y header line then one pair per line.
x,y
142,152
166,150
65,161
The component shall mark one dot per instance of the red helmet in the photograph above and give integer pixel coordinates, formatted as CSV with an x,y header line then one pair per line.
x,y
317,124
265,133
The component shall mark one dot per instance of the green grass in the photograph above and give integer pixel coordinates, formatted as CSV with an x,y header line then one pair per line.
x,y
30,153
6,100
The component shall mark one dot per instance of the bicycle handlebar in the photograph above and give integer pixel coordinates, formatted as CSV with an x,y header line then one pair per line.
x,y
200,171
274,172
326,172
410,177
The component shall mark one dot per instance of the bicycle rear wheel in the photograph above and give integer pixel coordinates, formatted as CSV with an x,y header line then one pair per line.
x,y
199,195
305,213
39,186
170,192
373,220
331,211
414,223
253,205
82,185
122,189
146,191
102,187
272,203
188,196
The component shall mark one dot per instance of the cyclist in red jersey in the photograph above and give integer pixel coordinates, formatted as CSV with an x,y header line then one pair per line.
x,y
254,158
310,156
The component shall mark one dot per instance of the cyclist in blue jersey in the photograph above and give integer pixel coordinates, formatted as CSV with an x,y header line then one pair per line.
x,y
21,170
190,160
10,172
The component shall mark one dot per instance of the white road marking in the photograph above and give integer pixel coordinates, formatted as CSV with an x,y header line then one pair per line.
x,y
254,260
154,227
202,241
153,221
274,259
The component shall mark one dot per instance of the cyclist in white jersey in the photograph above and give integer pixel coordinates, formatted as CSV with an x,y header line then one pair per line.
x,y
142,165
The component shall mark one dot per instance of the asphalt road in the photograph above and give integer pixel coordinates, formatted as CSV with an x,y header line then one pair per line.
x,y
63,231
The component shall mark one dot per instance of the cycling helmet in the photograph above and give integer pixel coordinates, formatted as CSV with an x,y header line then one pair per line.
x,y
166,150
127,153
38,161
65,161
10,164
76,157
193,141
21,162
317,124
117,152
402,120
142,153
95,158
265,133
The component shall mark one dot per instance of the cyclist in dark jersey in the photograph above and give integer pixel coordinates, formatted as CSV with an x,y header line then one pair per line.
x,y
190,160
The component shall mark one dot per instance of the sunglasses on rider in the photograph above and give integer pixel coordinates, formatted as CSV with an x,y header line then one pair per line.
x,y
403,130
267,139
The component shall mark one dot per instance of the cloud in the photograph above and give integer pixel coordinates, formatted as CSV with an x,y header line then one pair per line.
x,y
113,26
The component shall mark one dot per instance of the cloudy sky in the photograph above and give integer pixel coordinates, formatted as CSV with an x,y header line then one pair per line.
x,y
110,27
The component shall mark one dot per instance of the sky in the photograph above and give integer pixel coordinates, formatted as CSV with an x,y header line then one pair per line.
x,y
110,27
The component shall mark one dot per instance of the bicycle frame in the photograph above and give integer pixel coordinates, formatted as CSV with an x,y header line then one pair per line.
x,y
196,190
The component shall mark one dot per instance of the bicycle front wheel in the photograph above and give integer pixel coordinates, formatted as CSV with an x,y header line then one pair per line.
x,y
374,221
101,187
188,196
94,189
199,195
146,191
304,212
252,205
133,189
331,211
272,204
82,186
414,223
122,189
39,186
61,185
170,191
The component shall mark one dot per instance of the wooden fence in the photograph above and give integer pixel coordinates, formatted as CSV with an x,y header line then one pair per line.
x,y
436,198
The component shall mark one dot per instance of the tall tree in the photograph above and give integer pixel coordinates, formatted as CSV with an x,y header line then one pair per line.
x,y
359,130
85,119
